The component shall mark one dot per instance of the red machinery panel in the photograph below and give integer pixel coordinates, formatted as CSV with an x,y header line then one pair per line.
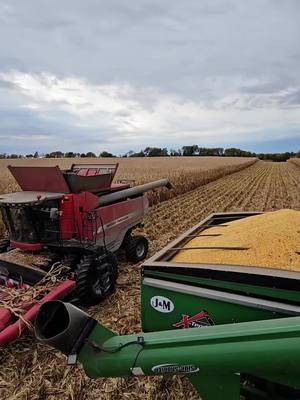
x,y
44,179
95,169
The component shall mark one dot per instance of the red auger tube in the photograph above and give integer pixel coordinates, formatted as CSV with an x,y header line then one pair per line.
x,y
15,330
5,318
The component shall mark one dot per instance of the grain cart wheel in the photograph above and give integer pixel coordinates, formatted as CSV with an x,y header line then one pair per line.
x,y
136,248
95,278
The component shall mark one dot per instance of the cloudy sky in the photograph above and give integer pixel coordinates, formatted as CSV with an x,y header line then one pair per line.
x,y
118,75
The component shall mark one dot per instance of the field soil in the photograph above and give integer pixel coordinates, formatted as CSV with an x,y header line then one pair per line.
x,y
29,370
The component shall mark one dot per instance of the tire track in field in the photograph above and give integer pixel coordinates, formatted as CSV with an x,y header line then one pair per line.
x,y
263,186
281,189
242,202
195,203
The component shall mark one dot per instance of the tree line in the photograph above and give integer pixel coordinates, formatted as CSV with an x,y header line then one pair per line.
x,y
57,154
185,151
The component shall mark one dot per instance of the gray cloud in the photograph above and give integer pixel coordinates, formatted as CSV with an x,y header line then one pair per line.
x,y
170,64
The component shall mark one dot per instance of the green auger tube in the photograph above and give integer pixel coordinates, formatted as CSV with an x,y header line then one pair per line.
x,y
214,358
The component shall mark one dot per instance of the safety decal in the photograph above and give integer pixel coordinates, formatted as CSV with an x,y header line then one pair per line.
x,y
174,369
162,304
196,321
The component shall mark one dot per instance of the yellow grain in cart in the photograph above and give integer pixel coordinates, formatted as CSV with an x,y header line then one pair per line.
x,y
266,240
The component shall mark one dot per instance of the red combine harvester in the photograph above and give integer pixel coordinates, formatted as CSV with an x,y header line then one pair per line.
x,y
75,218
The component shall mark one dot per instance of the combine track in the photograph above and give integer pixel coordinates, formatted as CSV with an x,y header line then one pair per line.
x,y
262,187
31,371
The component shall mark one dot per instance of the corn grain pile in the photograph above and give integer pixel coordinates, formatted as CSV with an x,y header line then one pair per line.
x,y
267,240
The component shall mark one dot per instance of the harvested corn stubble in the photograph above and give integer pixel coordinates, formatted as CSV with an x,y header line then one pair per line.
x,y
19,300
26,258
269,240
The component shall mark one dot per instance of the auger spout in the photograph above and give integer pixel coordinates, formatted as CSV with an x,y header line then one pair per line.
x,y
212,357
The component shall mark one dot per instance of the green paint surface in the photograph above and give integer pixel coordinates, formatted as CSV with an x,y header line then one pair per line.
x,y
220,312
268,349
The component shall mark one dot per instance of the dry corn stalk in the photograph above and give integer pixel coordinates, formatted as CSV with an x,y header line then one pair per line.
x,y
17,301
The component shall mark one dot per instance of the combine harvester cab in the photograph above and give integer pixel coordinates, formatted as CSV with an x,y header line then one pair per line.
x,y
74,220
232,329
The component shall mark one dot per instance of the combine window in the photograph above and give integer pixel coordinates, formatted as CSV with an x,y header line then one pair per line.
x,y
33,224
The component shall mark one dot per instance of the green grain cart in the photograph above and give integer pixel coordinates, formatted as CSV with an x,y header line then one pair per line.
x,y
233,330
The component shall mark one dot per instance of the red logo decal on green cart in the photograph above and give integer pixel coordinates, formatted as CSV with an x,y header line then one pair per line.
x,y
196,321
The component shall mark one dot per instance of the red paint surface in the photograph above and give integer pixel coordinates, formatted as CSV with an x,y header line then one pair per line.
x,y
27,246
5,318
15,330
41,179
186,319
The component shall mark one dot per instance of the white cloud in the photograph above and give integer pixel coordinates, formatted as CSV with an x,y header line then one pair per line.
x,y
139,116
123,75
24,137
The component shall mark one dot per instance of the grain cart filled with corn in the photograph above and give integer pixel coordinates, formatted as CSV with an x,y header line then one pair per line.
x,y
66,224
221,304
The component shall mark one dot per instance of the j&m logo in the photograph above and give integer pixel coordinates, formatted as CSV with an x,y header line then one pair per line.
x,y
162,304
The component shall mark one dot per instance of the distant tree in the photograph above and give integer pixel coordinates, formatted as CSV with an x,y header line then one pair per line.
x,y
13,156
82,155
277,157
175,153
106,154
91,154
128,154
29,156
36,155
139,154
214,151
190,150
156,152
70,154
233,152
55,154
3,155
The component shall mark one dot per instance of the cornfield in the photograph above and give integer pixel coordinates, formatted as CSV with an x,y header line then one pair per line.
x,y
185,173
29,370
295,161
